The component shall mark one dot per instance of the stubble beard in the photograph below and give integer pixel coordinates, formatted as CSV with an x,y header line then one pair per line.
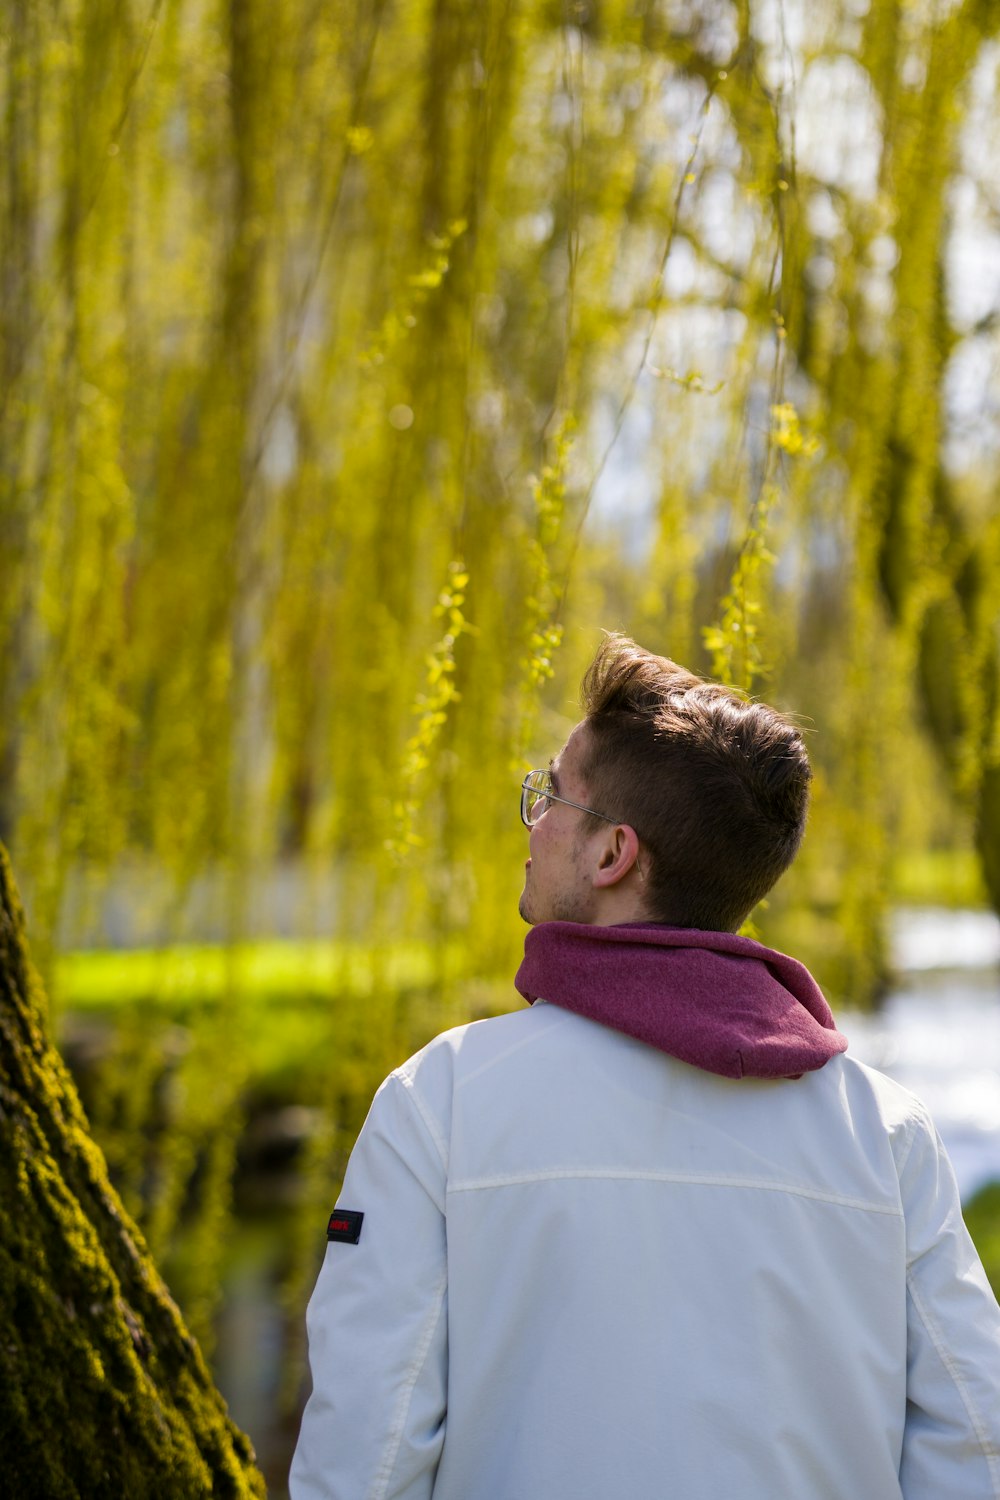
x,y
566,906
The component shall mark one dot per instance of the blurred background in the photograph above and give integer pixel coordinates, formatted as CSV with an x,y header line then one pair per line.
x,y
359,363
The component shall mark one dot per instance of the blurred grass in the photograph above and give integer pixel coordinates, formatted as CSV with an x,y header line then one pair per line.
x,y
99,979
291,1002
938,877
982,1217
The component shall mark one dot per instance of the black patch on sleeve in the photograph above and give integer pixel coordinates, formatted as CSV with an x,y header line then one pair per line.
x,y
345,1226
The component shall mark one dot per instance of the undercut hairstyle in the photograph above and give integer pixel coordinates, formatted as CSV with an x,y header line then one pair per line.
x,y
716,786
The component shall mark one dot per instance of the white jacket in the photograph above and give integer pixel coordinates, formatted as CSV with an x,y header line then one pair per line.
x,y
587,1271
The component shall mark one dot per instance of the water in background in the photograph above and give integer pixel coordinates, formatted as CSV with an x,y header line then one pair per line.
x,y
939,1032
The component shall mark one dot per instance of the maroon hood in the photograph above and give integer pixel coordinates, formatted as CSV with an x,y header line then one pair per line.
x,y
721,1002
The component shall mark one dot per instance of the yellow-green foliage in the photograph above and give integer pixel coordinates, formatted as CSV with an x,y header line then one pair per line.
x,y
431,708
299,305
102,1389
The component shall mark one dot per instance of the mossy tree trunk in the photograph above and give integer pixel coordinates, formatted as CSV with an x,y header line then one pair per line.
x,y
103,1392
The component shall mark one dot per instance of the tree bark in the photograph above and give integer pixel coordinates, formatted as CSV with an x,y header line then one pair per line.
x,y
103,1392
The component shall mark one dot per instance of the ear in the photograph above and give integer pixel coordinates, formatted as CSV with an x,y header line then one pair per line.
x,y
618,853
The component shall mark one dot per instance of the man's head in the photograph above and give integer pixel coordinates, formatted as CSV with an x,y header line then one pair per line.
x,y
703,797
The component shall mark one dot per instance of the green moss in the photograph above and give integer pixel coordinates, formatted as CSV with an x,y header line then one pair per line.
x,y
102,1389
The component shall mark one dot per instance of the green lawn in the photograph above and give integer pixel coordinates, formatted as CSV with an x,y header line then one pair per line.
x,y
193,974
285,1008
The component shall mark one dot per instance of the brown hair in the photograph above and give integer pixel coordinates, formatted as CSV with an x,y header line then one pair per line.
x,y
715,786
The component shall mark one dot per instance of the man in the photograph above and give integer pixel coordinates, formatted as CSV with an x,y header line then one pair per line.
x,y
655,1236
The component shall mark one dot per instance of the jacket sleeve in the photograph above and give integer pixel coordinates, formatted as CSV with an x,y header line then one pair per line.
x,y
374,1425
951,1442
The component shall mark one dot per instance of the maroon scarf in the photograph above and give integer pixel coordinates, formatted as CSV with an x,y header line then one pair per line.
x,y
721,1002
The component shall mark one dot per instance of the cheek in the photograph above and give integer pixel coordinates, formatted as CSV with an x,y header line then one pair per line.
x,y
539,838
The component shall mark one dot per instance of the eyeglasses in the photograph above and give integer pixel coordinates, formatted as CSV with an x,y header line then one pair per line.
x,y
537,793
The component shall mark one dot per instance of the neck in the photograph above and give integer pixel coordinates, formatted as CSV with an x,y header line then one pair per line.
x,y
616,907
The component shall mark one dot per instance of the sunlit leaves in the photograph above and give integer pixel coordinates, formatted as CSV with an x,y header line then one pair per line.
x,y
787,433
431,708
736,642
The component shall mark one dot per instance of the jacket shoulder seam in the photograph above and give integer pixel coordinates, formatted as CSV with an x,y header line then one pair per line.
x,y
429,1122
532,1035
911,1136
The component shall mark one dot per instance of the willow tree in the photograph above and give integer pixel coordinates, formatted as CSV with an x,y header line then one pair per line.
x,y
360,360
